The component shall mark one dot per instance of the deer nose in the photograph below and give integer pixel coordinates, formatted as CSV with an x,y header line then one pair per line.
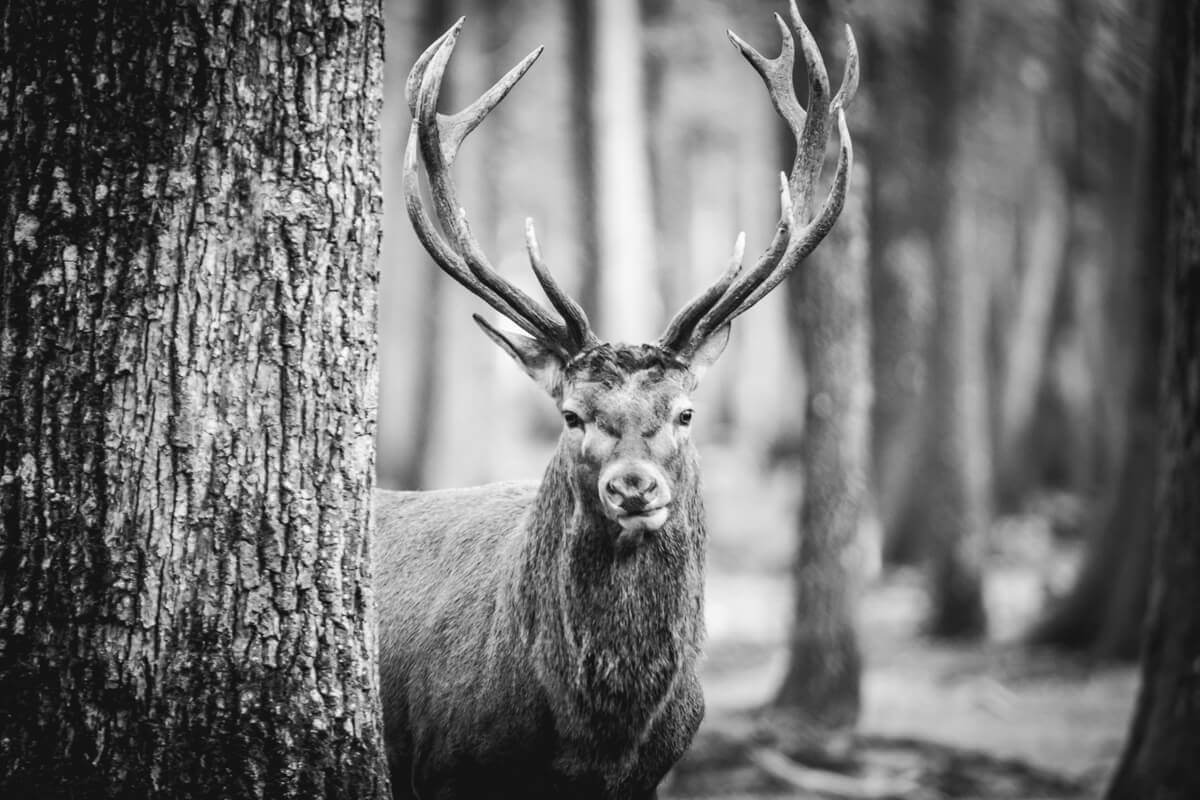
x,y
631,490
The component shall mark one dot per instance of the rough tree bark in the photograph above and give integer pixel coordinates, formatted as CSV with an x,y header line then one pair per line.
x,y
1159,762
187,399
954,486
820,694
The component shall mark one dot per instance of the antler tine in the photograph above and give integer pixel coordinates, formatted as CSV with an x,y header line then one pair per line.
x,y
578,327
849,87
679,331
810,149
412,85
440,137
778,74
454,128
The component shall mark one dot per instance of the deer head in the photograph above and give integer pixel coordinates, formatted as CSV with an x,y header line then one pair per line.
x,y
626,408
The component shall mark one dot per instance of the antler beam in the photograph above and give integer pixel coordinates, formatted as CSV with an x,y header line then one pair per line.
x,y
797,234
434,140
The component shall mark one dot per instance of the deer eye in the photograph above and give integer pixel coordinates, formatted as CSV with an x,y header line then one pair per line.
x,y
572,419
685,416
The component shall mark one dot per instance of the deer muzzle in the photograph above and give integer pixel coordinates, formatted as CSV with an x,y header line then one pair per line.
x,y
636,495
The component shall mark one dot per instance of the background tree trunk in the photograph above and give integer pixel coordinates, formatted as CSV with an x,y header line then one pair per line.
x,y
900,280
187,400
1103,612
820,689
629,307
954,487
435,17
581,57
1159,762
827,309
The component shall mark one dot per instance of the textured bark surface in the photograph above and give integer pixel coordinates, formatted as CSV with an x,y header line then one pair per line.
x,y
1159,762
954,488
187,399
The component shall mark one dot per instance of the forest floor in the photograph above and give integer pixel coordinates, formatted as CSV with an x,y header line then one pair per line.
x,y
989,720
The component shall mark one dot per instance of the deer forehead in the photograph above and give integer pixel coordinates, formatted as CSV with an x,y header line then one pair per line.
x,y
642,398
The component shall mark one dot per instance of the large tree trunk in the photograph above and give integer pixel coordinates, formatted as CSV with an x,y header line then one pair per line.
x,y
187,399
1159,762
954,488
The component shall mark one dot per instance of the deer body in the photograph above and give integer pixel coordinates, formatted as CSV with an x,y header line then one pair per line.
x,y
571,665
541,640
567,634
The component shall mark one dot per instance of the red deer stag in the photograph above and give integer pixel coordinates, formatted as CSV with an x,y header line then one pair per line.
x,y
541,639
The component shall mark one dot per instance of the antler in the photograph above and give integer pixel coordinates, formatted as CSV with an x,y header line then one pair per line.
x,y
735,291
436,138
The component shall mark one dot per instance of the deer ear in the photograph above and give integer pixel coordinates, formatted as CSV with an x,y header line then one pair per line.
x,y
708,351
541,363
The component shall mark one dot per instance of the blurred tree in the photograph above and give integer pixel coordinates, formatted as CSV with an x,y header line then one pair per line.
x,y
1030,301
1159,761
581,60
900,281
187,361
629,308
1064,355
434,17
954,486
827,303
1104,611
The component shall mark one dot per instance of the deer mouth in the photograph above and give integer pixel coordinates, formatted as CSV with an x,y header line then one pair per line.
x,y
647,519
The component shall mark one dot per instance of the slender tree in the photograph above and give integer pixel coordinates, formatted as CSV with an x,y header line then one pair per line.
x,y
581,55
188,252
900,290
629,306
435,16
1159,761
827,304
954,487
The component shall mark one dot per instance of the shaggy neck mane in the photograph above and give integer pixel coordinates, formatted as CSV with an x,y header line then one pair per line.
x,y
611,630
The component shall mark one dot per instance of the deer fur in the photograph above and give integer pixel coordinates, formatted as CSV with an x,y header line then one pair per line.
x,y
525,651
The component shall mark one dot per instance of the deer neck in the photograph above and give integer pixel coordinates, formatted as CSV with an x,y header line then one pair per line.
x,y
613,631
